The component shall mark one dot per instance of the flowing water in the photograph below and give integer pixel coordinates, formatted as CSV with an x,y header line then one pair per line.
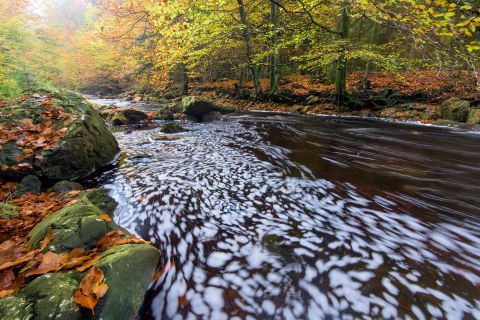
x,y
268,216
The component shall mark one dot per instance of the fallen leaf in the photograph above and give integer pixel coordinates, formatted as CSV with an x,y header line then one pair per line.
x,y
88,264
16,286
105,217
91,289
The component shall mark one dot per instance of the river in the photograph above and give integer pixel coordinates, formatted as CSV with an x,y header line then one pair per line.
x,y
275,216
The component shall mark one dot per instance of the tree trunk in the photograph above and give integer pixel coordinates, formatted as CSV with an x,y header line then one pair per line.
x,y
341,81
248,48
364,85
274,59
185,80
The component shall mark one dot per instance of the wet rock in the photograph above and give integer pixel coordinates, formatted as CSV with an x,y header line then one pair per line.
x,y
164,114
65,186
8,211
29,184
73,227
474,116
172,127
128,117
195,109
212,116
101,200
86,146
50,296
455,109
128,270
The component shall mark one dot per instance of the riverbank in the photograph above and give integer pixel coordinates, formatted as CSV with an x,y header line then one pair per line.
x,y
61,254
427,97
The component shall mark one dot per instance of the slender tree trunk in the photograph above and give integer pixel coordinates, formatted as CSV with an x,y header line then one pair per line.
x,y
274,59
341,81
248,48
365,83
185,80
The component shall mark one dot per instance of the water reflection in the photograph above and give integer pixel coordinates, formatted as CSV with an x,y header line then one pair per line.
x,y
283,217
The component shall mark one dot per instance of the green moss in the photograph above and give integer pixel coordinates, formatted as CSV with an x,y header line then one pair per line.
x,y
128,270
8,211
171,127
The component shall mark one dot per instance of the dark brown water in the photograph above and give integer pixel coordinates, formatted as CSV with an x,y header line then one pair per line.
x,y
265,216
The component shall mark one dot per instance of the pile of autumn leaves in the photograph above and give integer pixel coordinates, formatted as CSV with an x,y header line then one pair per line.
x,y
19,263
34,138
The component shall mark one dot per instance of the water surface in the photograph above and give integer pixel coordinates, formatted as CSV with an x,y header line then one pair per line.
x,y
267,216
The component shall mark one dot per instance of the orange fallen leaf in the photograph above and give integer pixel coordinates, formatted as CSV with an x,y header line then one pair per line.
x,y
105,217
91,289
88,264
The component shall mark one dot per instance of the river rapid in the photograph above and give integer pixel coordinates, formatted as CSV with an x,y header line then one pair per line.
x,y
274,216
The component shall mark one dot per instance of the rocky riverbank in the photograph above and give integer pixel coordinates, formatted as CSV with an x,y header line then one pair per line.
x,y
61,254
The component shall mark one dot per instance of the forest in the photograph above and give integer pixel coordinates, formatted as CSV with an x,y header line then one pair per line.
x,y
156,47
239,159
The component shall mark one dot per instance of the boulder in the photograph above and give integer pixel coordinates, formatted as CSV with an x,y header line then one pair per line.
x,y
128,270
455,109
65,186
29,184
128,116
195,109
172,127
212,116
164,114
474,116
67,139
49,296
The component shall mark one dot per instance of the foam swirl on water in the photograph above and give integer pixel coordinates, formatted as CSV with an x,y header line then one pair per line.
x,y
280,217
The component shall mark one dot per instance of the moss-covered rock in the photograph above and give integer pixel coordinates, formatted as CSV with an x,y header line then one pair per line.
x,y
65,186
164,114
86,146
212,116
29,184
195,109
128,116
16,307
128,270
171,127
8,211
47,297
455,109
77,225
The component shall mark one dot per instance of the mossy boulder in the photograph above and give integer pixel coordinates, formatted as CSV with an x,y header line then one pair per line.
x,y
195,108
171,127
128,116
8,211
164,114
65,186
86,146
77,225
29,184
49,296
128,270
212,116
455,109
